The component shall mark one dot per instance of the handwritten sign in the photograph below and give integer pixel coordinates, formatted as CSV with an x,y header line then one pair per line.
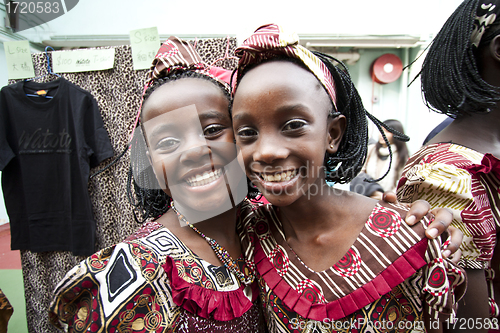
x,y
145,43
19,63
82,60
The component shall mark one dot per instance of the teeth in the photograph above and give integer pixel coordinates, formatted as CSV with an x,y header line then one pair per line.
x,y
205,178
279,177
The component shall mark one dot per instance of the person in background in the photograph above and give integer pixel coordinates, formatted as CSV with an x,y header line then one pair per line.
x,y
459,168
378,160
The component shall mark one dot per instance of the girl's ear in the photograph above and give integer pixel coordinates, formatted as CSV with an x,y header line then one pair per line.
x,y
490,62
495,48
336,129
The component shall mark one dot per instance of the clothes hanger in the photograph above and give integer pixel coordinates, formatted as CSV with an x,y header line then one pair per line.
x,y
49,72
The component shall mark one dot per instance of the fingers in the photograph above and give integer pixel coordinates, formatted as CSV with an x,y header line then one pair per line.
x,y
441,225
442,220
418,210
455,257
453,249
390,197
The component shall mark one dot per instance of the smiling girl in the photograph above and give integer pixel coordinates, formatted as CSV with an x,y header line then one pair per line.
x,y
172,275
326,259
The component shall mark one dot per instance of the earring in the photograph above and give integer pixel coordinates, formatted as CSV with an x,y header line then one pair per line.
x,y
331,146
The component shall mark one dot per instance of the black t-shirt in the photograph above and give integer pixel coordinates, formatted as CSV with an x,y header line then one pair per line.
x,y
47,146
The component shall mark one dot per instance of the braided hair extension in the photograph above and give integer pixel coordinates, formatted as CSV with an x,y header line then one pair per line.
x,y
346,163
143,190
451,83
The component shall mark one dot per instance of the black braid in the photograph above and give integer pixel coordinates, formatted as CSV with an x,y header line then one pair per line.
x,y
143,190
347,162
451,83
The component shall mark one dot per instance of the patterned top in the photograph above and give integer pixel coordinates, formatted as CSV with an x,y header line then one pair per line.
x,y
467,182
6,311
153,282
386,279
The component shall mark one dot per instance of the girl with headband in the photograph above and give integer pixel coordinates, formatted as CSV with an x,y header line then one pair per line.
x,y
173,275
185,271
460,168
327,260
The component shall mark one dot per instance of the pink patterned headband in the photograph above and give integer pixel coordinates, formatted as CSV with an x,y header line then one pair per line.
x,y
271,41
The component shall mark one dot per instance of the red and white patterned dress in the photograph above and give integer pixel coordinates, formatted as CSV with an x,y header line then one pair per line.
x,y
153,282
467,182
388,278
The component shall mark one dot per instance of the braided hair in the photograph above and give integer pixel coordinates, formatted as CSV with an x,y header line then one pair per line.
x,y
451,83
143,190
347,162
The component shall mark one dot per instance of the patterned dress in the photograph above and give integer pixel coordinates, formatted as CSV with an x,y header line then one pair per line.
x,y
388,278
6,311
153,282
468,183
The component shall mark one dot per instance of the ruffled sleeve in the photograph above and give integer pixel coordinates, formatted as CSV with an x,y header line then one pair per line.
x,y
208,303
444,284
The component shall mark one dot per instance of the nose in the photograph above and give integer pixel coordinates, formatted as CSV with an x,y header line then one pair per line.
x,y
195,150
269,150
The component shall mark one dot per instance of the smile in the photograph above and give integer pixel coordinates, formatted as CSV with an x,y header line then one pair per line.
x,y
279,177
205,178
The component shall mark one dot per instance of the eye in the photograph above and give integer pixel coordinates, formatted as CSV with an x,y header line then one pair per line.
x,y
213,130
294,124
167,144
246,132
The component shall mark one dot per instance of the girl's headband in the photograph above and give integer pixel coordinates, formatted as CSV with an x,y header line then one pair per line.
x,y
177,55
270,41
486,14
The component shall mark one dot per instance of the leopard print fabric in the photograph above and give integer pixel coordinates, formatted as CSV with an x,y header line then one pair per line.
x,y
118,93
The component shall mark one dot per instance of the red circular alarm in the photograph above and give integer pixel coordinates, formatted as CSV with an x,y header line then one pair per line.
x,y
387,68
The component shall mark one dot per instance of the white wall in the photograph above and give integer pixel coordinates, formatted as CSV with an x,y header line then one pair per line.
x,y
111,17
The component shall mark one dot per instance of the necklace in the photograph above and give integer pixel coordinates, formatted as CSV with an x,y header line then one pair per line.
x,y
218,249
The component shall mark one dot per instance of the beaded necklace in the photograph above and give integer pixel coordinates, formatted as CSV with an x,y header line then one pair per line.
x,y
218,249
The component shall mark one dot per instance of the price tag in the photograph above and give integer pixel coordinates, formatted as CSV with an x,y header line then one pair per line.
x,y
19,62
82,60
145,43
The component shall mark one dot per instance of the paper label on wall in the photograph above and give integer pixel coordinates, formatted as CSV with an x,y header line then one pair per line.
x,y
82,60
145,43
19,62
